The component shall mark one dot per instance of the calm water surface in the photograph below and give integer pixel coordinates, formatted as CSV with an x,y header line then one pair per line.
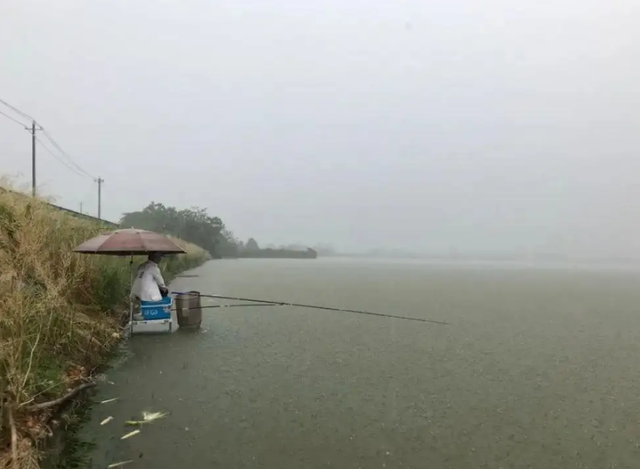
x,y
539,368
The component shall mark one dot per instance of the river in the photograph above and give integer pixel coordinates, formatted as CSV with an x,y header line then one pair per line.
x,y
539,368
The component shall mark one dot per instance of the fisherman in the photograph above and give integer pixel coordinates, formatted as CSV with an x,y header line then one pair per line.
x,y
149,284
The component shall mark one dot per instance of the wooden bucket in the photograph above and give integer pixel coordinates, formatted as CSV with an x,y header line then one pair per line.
x,y
189,310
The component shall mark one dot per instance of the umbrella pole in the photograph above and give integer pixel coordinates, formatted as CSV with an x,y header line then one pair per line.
x,y
130,299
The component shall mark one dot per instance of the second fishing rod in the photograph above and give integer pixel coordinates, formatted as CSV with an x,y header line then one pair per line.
x,y
263,302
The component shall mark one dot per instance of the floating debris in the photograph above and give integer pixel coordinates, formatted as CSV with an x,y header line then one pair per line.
x,y
106,401
150,416
147,417
106,421
130,434
119,464
102,378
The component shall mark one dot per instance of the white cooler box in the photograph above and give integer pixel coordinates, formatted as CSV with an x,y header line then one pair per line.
x,y
156,317
155,326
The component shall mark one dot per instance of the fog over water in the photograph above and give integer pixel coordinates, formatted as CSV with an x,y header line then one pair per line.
x,y
494,128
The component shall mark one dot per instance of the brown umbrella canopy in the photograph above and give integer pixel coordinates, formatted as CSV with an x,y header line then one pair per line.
x,y
129,242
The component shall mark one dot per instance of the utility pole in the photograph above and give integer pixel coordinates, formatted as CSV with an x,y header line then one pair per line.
x,y
33,158
100,181
80,207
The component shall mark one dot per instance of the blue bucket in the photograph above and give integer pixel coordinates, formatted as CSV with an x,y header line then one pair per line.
x,y
152,310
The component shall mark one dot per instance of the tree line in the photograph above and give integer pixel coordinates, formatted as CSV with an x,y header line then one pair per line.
x,y
194,225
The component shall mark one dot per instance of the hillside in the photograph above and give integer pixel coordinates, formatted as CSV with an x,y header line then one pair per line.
x,y
60,315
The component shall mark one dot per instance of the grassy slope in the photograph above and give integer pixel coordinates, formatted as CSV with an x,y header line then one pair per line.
x,y
60,314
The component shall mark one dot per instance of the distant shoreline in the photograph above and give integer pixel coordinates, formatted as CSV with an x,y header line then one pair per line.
x,y
269,253
534,262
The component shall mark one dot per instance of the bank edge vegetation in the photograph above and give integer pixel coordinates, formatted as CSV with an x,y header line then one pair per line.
x,y
194,225
61,315
197,226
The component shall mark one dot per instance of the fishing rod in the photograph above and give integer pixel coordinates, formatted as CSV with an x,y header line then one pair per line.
x,y
244,305
324,308
232,306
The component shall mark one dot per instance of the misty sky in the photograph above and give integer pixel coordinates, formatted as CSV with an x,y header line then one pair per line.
x,y
484,126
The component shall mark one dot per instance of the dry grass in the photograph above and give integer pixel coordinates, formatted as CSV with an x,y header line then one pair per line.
x,y
60,314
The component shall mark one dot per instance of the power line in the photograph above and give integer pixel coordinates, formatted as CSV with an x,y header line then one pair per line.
x,y
48,135
14,120
70,164
61,161
74,170
15,109
65,154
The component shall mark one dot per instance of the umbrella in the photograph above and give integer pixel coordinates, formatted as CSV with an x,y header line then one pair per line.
x,y
129,242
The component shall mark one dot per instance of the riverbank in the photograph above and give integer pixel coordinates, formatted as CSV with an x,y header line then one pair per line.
x,y
269,253
60,317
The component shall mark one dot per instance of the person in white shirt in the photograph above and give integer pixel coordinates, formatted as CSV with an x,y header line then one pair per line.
x,y
148,284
